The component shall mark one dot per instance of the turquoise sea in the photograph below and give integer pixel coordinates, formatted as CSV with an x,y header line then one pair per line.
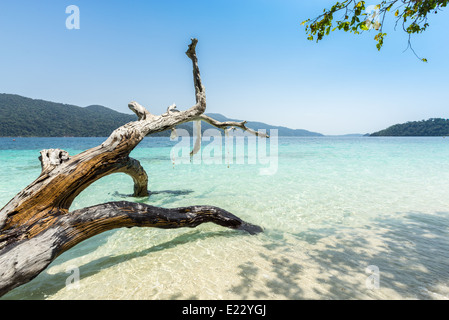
x,y
343,218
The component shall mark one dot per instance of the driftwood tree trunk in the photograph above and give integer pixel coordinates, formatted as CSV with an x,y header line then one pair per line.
x,y
36,226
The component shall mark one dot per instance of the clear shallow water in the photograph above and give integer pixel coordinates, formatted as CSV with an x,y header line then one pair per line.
x,y
334,207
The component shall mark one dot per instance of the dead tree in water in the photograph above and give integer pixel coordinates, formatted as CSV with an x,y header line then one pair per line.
x,y
36,226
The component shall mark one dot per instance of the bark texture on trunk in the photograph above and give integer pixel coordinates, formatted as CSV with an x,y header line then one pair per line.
x,y
36,226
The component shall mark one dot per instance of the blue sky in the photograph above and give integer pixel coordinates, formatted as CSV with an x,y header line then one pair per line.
x,y
254,59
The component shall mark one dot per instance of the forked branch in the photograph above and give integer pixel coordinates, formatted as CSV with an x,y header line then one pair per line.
x,y
228,124
37,225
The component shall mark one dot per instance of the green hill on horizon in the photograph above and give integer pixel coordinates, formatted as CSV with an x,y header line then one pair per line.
x,y
434,127
26,117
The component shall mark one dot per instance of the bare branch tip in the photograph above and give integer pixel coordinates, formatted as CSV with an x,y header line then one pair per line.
x,y
191,51
139,110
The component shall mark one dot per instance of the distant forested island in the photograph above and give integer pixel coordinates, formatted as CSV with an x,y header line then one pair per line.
x,y
26,117
434,127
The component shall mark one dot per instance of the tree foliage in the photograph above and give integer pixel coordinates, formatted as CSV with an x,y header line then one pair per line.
x,y
21,116
357,17
432,127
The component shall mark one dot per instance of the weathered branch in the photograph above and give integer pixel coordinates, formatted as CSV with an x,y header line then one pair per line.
x,y
52,189
52,158
199,88
133,168
140,111
25,259
227,124
221,125
197,133
37,225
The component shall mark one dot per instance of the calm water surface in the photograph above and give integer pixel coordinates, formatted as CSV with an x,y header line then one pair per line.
x,y
334,207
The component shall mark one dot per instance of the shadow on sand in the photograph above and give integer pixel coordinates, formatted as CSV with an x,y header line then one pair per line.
x,y
413,259
413,262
